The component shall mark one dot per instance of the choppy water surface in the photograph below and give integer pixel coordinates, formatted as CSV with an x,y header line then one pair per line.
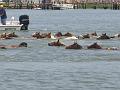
x,y
40,67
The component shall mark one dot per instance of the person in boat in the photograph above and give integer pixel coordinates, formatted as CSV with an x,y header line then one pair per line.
x,y
58,43
94,46
74,46
3,15
23,44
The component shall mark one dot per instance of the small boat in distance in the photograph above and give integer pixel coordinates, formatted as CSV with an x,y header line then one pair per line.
x,y
38,8
62,6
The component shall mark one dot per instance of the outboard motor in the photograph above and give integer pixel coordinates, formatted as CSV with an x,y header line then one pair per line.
x,y
24,19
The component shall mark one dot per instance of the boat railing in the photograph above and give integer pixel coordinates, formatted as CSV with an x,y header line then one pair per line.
x,y
12,23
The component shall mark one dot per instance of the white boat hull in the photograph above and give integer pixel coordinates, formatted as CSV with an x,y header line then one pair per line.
x,y
11,26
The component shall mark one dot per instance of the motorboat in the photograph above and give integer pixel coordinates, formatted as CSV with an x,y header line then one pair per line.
x,y
22,24
62,6
67,6
11,25
56,7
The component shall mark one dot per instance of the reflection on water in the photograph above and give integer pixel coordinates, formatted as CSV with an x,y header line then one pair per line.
x,y
40,67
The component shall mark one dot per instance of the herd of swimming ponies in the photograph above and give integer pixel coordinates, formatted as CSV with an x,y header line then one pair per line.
x,y
58,36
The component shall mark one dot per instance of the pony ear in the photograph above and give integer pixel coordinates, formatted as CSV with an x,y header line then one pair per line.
x,y
95,43
58,40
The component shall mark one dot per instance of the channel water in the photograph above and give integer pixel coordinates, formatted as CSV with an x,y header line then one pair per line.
x,y
41,67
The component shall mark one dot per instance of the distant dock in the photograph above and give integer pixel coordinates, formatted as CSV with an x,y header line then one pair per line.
x,y
77,5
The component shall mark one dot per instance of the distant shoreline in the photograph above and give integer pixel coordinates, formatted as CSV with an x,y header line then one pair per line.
x,y
113,6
